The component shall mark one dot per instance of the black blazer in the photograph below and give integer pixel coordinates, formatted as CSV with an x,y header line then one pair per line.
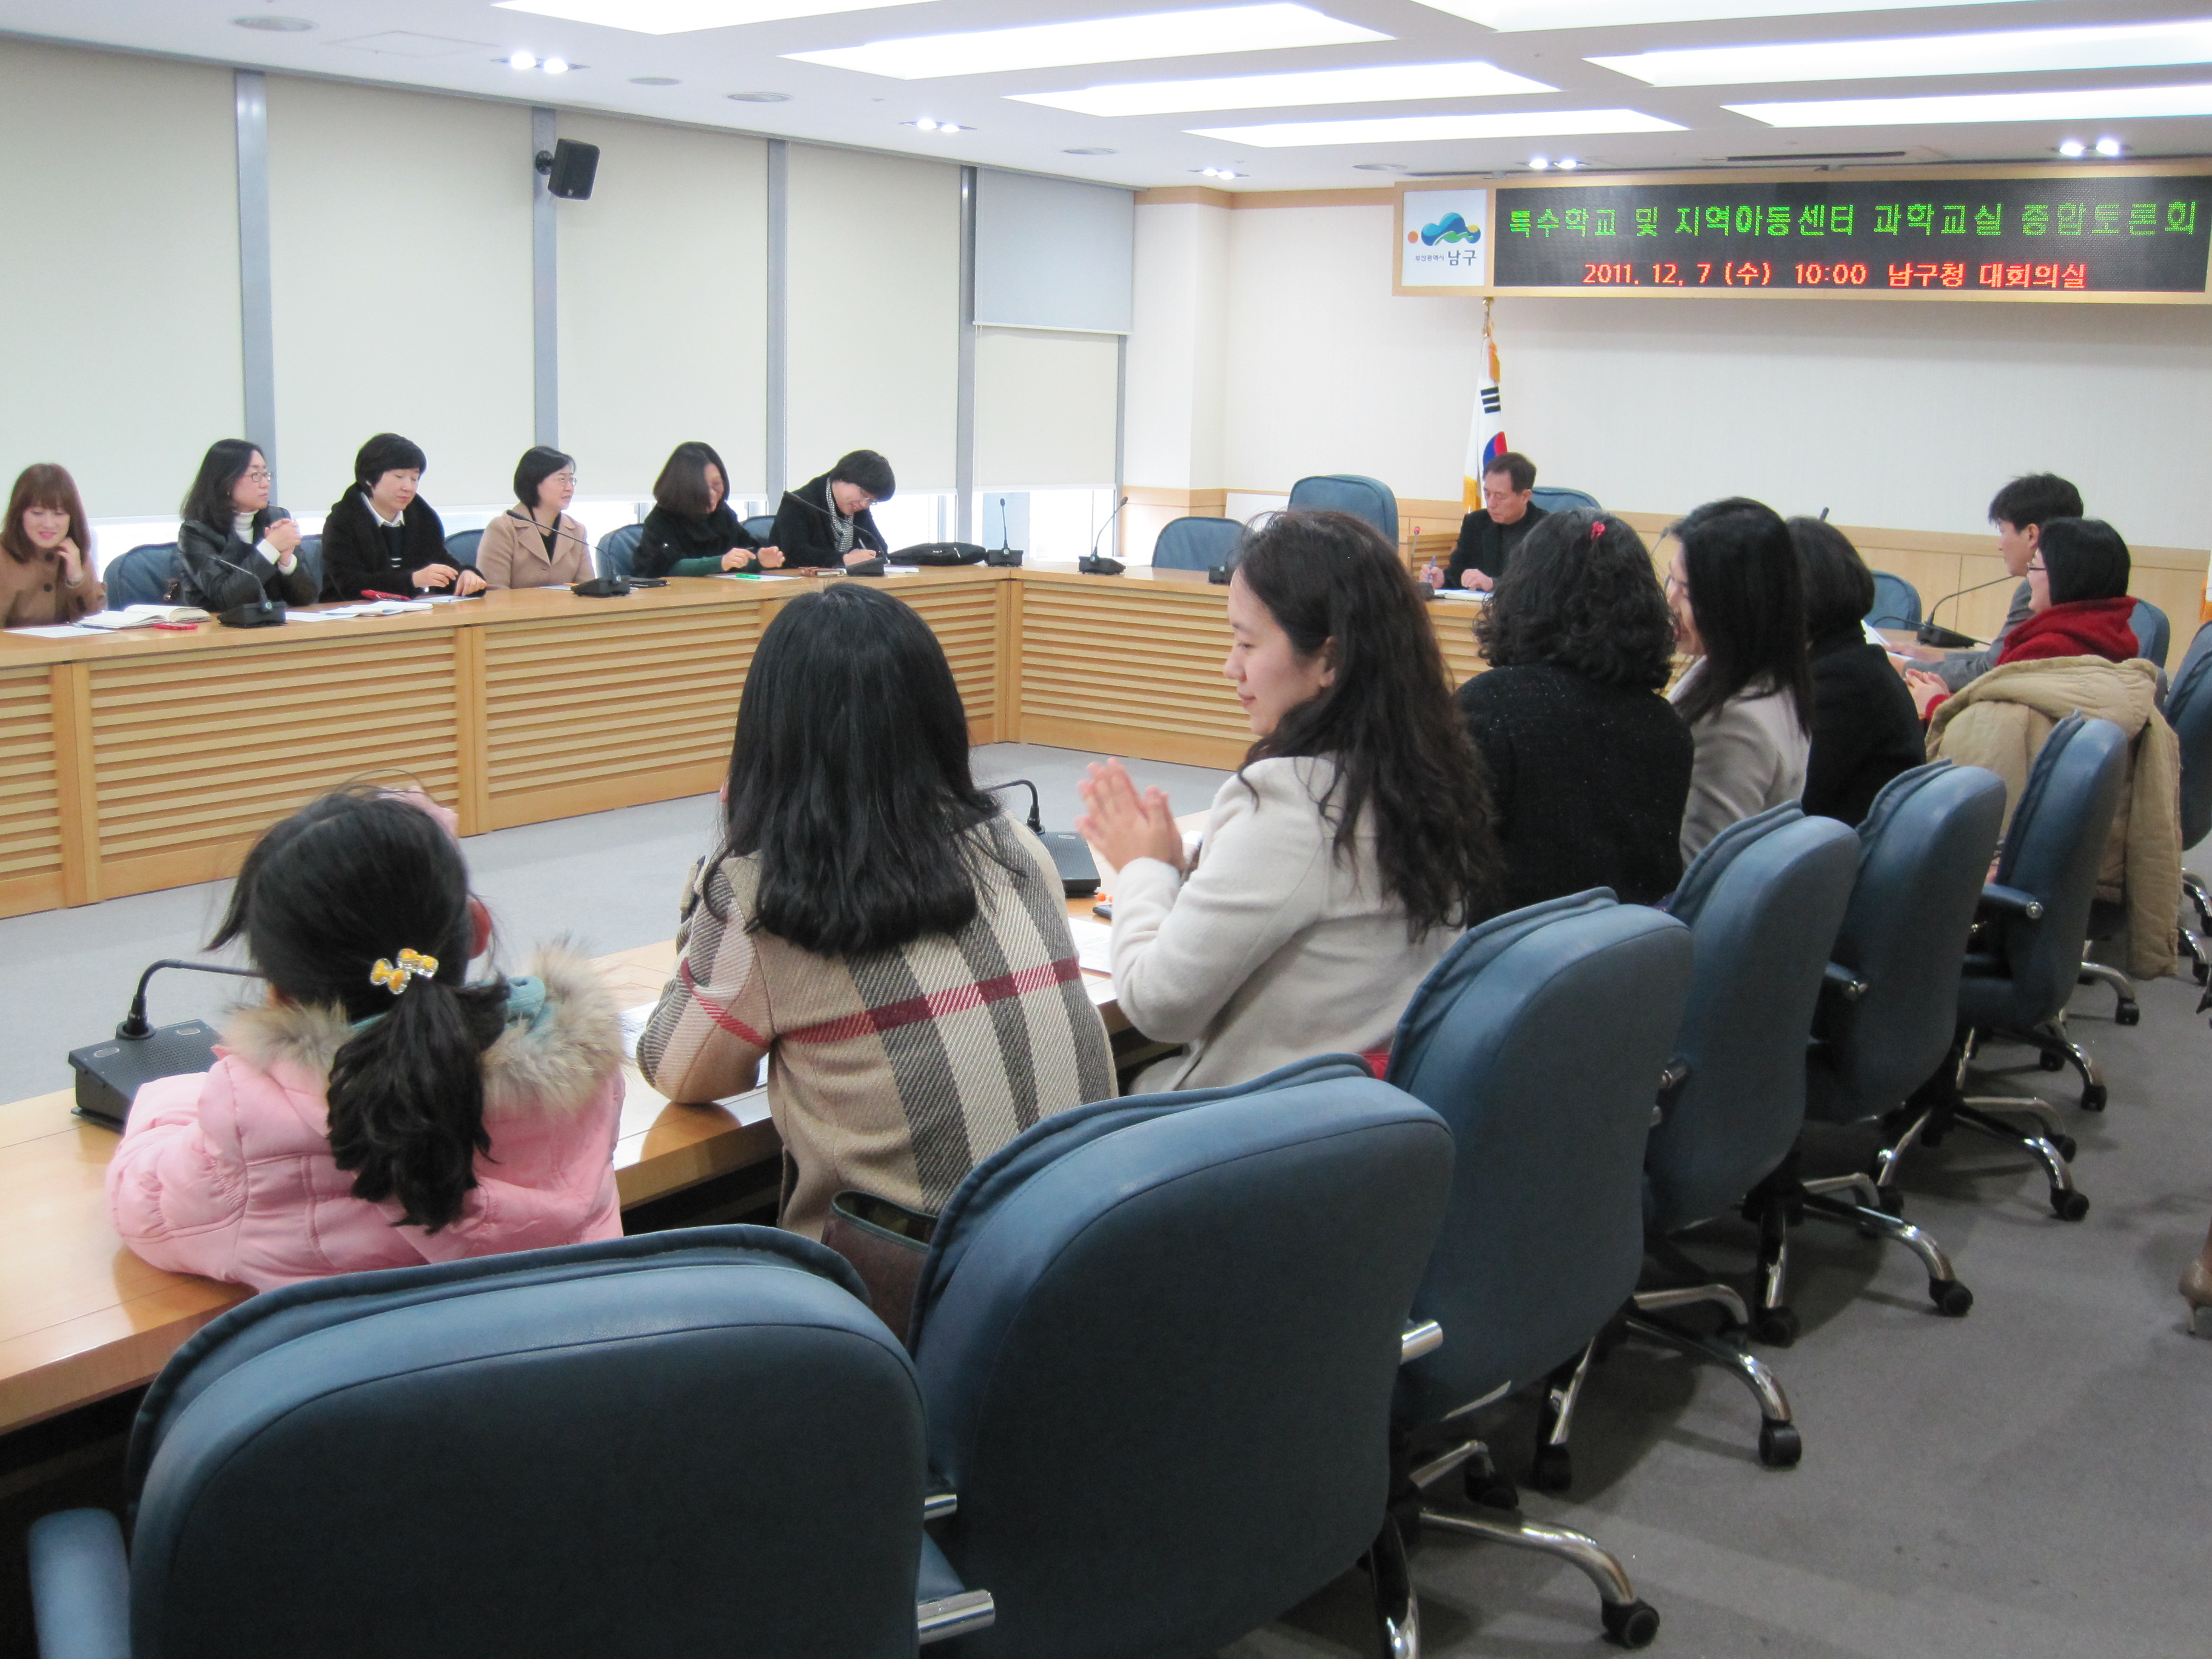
x,y
1865,729
1589,781
1486,545
802,528
669,537
216,571
357,559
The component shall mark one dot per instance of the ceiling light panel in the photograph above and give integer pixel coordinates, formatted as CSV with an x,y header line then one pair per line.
x,y
1379,83
1097,40
1511,14
1423,129
2110,103
2009,51
683,16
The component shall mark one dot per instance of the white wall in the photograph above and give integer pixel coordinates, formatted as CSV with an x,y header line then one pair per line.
x,y
1044,408
663,304
119,292
399,231
1178,341
873,352
1902,416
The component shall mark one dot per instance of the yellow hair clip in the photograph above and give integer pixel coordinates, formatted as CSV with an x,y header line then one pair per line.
x,y
394,979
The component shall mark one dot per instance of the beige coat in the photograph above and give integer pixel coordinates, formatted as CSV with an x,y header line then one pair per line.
x,y
512,553
2000,721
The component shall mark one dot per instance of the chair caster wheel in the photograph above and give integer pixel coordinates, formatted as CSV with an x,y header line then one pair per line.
x,y
1493,1490
1951,1300
1892,1200
2203,972
2128,1013
1630,1624
2068,1207
2051,1062
1554,1469
1780,1445
1775,1327
2093,1096
2066,1146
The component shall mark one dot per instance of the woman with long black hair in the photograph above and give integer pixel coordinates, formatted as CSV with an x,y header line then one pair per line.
x,y
1738,594
234,548
1349,848
874,925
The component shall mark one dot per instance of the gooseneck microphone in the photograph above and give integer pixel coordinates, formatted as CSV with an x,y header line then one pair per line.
x,y
1929,634
1091,564
110,1074
134,1027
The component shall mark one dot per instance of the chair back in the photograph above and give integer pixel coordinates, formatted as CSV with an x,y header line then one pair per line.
x,y
1924,852
1763,902
759,526
1540,1039
1556,500
2189,712
1197,543
461,547
617,548
1157,1338
309,553
1348,492
2153,632
2053,849
142,575
1896,602
634,1448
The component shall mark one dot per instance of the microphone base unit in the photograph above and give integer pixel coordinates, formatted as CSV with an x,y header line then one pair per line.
x,y
1091,564
601,587
1070,856
109,1074
1003,558
262,613
1929,634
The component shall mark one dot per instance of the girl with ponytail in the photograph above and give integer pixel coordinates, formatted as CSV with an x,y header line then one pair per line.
x,y
380,1111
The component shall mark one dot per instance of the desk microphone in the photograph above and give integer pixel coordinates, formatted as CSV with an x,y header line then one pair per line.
x,y
1091,564
1929,634
109,1074
261,611
1071,853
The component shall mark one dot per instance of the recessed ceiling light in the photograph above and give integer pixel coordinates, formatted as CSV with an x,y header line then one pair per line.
x,y
1511,14
1379,83
2107,104
2109,148
1217,173
2073,149
1539,164
655,81
759,97
681,16
2008,51
521,60
275,25
1092,150
555,66
1097,40
1568,164
1423,129
930,123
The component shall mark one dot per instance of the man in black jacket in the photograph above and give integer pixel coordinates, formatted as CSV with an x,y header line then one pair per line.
x,y
825,522
1487,537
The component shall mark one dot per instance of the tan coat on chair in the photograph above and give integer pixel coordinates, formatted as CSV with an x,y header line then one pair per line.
x,y
2001,721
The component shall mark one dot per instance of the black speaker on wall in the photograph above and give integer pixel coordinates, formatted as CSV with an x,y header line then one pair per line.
x,y
569,168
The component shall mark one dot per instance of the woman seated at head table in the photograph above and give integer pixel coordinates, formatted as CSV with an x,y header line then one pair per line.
x,y
382,536
1865,730
1345,854
379,1110
826,522
880,930
1588,762
234,548
535,544
1738,594
47,577
691,531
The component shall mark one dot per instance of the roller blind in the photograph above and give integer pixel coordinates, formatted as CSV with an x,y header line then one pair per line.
x,y
664,296
873,333
119,292
399,231
1050,253
1044,409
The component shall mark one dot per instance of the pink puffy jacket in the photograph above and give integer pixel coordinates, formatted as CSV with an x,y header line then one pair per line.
x,y
229,1172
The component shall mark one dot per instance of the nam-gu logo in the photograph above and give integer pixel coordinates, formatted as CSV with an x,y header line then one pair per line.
x,y
1450,228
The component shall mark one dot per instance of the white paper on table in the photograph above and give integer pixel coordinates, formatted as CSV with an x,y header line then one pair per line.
x,y
1094,944
131,615
749,1107
59,631
1462,596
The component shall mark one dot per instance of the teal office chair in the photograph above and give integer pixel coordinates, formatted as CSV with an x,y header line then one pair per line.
x,y
141,576
1896,602
617,548
1197,543
2154,632
461,547
1551,500
1348,492
759,527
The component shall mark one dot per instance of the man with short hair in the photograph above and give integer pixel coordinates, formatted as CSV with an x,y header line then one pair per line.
x,y
1488,537
2018,511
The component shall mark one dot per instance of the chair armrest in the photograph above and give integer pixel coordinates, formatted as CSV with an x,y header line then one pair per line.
x,y
2012,902
944,1607
79,1586
1417,1339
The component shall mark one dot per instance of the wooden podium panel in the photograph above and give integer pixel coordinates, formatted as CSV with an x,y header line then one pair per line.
x,y
30,799
966,621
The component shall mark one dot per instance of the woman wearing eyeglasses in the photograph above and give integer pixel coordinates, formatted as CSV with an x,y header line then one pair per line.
x,y
234,548
535,544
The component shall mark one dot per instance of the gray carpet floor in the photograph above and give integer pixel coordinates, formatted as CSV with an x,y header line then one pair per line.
x,y
2031,1481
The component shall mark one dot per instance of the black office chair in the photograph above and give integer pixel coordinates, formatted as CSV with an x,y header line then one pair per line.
x,y
1197,543
650,1447
2025,957
759,526
2189,712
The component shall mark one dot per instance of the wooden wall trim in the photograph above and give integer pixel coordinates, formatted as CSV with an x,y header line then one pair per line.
x,y
1380,196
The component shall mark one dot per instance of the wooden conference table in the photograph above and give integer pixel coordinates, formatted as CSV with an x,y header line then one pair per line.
x,y
141,760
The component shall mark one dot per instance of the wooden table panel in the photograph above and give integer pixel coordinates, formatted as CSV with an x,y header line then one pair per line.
x,y
30,808
1454,621
1131,668
966,623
